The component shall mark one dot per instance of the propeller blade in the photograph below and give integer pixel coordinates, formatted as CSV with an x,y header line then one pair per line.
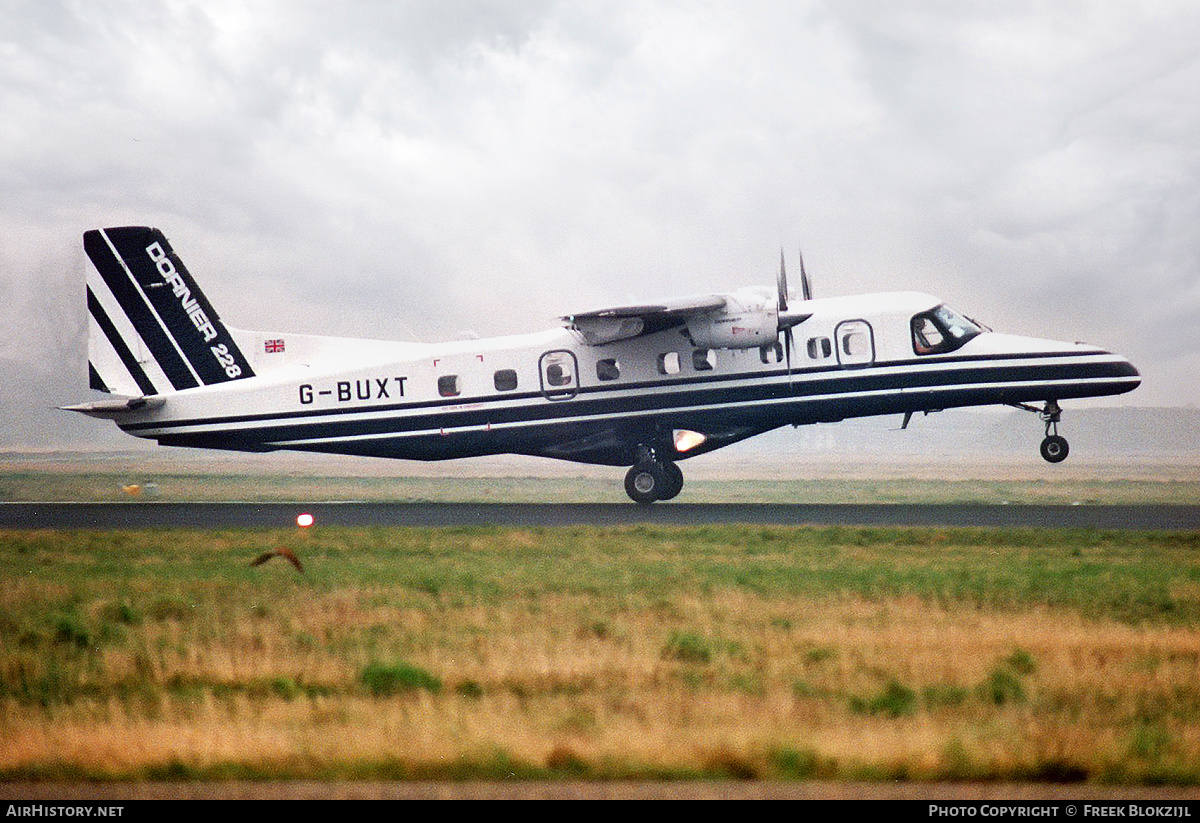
x,y
782,287
781,283
805,288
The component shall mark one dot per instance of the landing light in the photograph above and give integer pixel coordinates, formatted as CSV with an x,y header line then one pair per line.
x,y
304,520
686,440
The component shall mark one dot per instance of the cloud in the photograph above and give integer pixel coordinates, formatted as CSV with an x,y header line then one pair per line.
x,y
396,169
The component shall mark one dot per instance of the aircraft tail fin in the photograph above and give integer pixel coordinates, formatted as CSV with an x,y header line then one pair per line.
x,y
151,330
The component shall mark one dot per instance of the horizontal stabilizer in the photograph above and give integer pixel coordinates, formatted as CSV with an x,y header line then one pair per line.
x,y
117,407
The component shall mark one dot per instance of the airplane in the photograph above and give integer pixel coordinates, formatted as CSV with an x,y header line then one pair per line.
x,y
644,386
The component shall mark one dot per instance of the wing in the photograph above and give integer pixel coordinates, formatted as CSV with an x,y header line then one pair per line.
x,y
622,322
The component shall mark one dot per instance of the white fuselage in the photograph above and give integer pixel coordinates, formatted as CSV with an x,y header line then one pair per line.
x,y
553,394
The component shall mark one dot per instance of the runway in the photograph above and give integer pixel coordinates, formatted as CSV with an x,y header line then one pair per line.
x,y
174,515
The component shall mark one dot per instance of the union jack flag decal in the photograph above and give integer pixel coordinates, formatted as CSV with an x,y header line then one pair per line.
x,y
273,346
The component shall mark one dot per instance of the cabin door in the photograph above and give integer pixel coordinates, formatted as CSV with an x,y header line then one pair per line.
x,y
560,375
855,343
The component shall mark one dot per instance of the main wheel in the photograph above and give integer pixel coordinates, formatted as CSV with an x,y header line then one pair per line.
x,y
646,482
1055,449
674,482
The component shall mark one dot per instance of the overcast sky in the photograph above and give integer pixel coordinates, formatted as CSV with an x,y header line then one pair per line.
x,y
418,170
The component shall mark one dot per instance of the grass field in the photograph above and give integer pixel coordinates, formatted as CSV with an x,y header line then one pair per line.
x,y
787,653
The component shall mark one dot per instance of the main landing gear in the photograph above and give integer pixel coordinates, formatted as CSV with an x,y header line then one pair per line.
x,y
652,479
1054,448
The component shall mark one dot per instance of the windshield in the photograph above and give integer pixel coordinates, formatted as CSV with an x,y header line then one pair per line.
x,y
941,330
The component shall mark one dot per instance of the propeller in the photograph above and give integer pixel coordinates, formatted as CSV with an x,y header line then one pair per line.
x,y
787,320
781,285
805,288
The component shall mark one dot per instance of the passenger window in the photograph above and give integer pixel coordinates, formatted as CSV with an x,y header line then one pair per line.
x,y
819,348
668,363
506,380
771,354
854,344
557,374
608,369
448,385
704,359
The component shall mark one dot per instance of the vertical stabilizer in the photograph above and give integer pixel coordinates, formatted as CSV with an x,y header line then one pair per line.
x,y
151,330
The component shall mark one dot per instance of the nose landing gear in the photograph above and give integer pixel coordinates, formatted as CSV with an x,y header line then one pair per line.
x,y
1054,448
652,479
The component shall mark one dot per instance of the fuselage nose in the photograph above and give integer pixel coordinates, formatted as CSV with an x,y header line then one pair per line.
x,y
1114,367
1134,376
1109,373
1055,369
1132,370
1117,373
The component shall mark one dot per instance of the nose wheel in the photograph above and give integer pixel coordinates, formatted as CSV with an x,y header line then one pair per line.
x,y
1054,448
651,479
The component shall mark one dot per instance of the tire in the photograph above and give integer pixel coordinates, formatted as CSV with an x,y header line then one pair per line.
x,y
1055,449
645,482
674,482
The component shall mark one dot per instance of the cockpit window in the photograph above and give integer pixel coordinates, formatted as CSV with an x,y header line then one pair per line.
x,y
941,330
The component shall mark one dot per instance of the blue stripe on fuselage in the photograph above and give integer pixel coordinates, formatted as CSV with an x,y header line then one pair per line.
x,y
811,397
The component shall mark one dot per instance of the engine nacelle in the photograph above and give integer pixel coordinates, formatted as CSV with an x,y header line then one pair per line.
x,y
748,321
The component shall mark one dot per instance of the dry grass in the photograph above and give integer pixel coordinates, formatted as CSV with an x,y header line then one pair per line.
x,y
617,653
